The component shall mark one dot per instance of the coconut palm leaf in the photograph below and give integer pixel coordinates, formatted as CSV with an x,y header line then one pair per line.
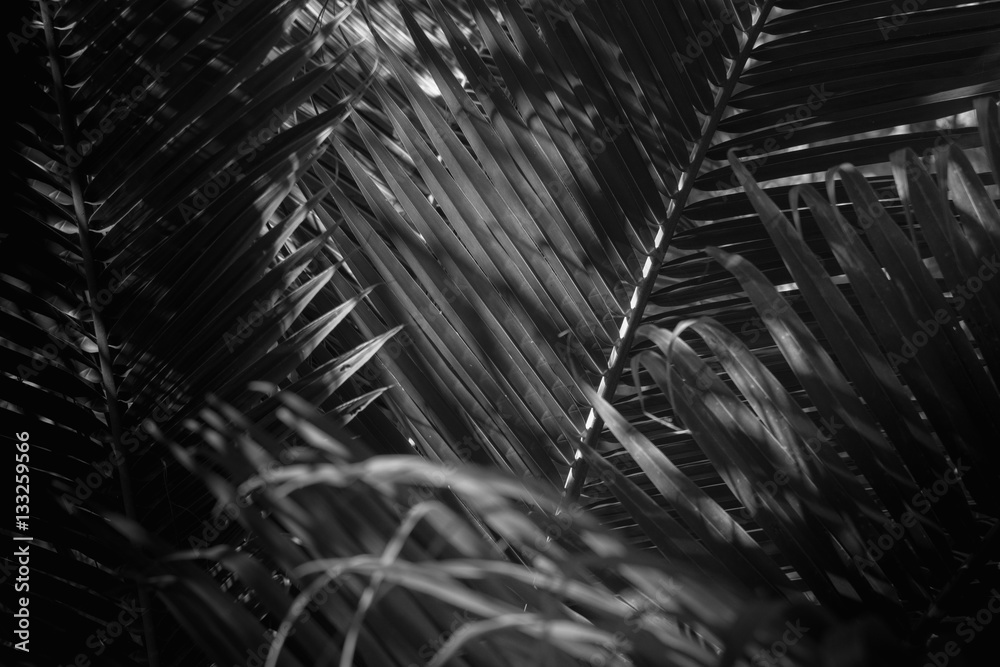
x,y
925,511
483,163
526,185
400,553
527,159
160,250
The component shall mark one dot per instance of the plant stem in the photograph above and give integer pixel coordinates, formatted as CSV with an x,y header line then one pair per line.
x,y
69,133
577,476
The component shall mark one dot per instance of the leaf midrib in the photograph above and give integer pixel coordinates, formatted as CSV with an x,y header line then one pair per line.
x,y
619,353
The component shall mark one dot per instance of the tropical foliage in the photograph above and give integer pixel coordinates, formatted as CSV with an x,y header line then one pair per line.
x,y
457,226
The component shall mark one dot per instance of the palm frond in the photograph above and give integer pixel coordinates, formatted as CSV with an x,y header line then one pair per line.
x,y
465,216
399,555
870,466
161,250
